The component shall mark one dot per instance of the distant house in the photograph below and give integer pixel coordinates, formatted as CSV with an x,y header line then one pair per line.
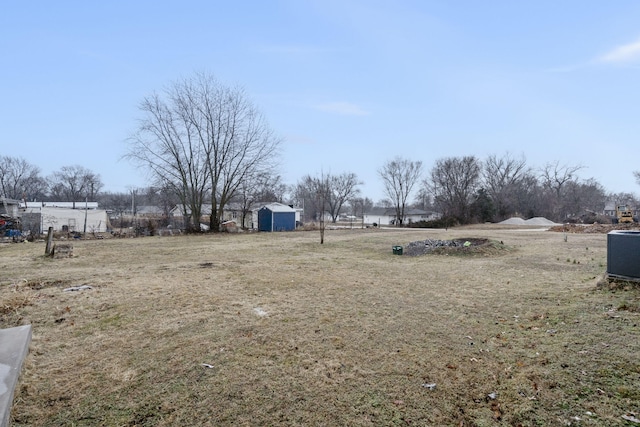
x,y
610,209
231,212
387,216
10,207
276,217
149,211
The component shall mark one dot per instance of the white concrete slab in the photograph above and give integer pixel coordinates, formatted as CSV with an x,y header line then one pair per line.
x,y
14,346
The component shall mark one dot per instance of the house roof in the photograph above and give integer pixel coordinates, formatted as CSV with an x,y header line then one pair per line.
x,y
179,209
149,210
611,206
382,211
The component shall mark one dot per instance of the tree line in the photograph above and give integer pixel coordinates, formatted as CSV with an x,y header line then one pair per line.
x,y
463,189
205,144
21,180
467,189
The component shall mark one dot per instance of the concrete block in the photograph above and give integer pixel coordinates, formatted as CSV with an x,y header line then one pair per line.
x,y
14,346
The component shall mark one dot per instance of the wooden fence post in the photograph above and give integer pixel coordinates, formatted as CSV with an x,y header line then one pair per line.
x,y
47,250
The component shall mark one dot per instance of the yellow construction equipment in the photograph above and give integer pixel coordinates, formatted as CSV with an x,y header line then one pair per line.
x,y
623,215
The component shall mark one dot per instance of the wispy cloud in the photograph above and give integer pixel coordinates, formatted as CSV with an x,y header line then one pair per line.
x,y
343,108
626,54
622,54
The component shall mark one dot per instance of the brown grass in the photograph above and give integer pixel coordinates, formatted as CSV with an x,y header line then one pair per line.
x,y
340,334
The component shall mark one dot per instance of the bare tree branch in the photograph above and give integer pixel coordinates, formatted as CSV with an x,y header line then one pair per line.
x,y
19,179
74,183
399,176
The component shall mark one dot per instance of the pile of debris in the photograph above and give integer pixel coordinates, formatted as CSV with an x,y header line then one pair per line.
x,y
422,247
10,227
594,228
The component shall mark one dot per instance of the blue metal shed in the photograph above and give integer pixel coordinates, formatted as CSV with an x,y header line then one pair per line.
x,y
276,217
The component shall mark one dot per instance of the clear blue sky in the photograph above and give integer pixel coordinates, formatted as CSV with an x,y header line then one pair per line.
x,y
348,84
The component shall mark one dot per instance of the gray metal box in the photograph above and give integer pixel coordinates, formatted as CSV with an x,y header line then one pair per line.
x,y
623,253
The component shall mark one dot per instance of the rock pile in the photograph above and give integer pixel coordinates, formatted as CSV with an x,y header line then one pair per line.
x,y
422,247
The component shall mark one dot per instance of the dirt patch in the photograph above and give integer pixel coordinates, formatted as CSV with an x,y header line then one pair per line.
x,y
614,283
464,246
593,228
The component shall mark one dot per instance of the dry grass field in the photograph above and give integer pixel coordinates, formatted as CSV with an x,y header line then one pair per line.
x,y
276,329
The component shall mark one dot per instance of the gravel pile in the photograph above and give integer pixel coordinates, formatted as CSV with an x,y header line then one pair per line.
x,y
422,247
513,221
538,220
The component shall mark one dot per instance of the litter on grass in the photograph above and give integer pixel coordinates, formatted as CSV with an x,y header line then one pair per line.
x,y
631,418
77,288
260,312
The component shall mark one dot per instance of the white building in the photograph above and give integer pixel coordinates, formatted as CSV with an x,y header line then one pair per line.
x,y
387,216
39,218
67,205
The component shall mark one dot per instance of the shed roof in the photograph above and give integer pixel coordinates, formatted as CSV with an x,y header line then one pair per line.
x,y
279,207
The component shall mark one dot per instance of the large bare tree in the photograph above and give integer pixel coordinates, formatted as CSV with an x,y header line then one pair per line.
x,y
19,179
166,145
74,183
203,139
583,197
454,181
501,178
399,177
341,188
528,196
336,190
556,179
555,176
